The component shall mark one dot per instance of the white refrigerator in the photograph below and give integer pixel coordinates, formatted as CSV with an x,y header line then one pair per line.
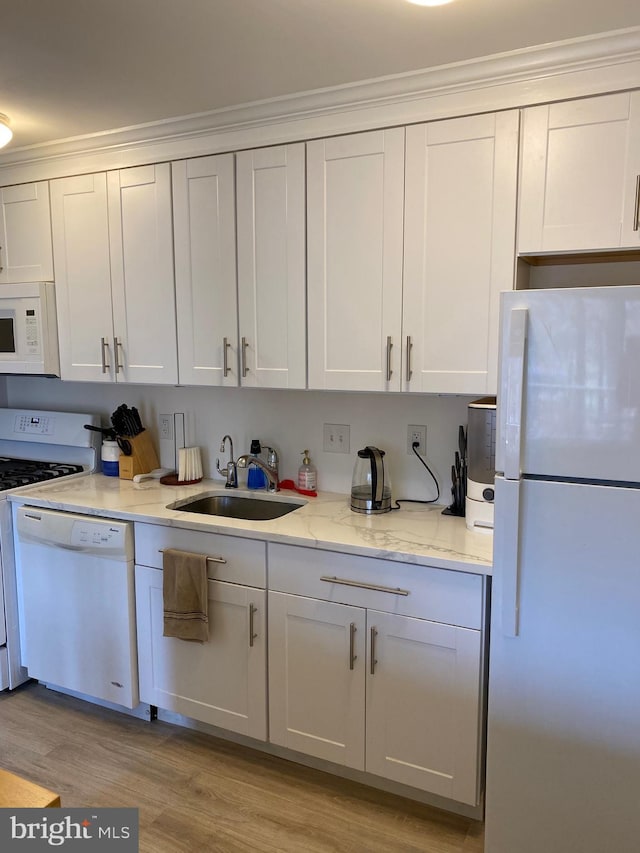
x,y
563,741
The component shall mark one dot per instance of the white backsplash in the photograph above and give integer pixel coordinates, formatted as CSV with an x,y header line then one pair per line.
x,y
290,421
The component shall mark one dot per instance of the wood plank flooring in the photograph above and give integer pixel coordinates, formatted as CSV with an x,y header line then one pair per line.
x,y
199,794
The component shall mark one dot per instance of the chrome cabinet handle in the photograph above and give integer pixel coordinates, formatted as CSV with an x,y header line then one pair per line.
x,y
252,636
117,346
374,587
374,634
104,348
243,356
209,559
409,348
1,267
389,348
225,362
352,645
636,215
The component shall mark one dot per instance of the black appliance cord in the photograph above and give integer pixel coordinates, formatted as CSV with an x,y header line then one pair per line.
x,y
411,500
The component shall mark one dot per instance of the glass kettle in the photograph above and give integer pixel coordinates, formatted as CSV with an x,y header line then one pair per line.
x,y
371,484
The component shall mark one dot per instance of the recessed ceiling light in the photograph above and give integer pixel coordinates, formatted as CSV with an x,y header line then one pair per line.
x,y
5,131
429,2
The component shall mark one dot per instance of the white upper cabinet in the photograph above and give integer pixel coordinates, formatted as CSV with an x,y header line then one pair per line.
x,y
25,234
112,241
141,240
355,189
205,254
83,277
580,182
460,209
271,266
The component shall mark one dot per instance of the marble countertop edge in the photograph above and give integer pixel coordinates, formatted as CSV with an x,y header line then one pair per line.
x,y
415,534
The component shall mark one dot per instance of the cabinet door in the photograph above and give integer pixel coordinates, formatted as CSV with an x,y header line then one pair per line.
x,y
80,228
461,179
316,678
355,191
271,266
141,243
222,681
205,249
423,704
580,168
25,233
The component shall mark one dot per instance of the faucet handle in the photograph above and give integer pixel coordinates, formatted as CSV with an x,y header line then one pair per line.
x,y
272,456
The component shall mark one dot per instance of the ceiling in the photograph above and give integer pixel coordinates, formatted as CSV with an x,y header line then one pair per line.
x,y
75,67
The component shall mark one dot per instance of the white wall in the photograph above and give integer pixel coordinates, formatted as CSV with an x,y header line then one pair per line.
x,y
290,421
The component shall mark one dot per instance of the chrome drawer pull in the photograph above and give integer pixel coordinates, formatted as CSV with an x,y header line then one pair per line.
x,y
117,349
225,362
252,636
374,634
352,645
104,349
393,590
389,348
243,357
209,559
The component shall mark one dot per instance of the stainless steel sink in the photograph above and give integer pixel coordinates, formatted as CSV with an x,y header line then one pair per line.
x,y
238,506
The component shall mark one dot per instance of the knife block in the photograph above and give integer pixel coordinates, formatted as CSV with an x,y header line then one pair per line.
x,y
143,456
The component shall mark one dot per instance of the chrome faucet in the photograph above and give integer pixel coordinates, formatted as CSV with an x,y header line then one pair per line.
x,y
271,471
230,471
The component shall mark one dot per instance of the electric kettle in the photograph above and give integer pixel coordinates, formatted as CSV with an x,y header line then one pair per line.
x,y
371,484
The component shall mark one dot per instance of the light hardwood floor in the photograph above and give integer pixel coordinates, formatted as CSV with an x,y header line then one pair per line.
x,y
198,794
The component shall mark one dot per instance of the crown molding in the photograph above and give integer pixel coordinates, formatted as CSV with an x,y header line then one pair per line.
x,y
571,68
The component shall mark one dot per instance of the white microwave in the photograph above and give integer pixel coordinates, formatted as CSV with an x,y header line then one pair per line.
x,y
28,329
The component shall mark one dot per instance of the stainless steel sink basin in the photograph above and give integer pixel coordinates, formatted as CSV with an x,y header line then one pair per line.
x,y
238,506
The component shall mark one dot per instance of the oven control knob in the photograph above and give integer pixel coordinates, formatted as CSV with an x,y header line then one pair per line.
x,y
487,494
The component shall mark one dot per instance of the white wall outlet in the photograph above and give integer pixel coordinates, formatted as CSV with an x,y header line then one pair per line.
x,y
336,438
419,434
165,426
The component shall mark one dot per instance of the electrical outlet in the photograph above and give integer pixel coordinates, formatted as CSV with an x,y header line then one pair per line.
x,y
419,434
165,426
336,438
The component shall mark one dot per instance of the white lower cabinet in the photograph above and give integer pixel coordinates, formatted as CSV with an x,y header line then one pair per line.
x,y
423,704
373,665
221,682
316,678
361,686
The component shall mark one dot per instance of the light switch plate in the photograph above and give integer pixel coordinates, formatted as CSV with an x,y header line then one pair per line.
x,y
336,438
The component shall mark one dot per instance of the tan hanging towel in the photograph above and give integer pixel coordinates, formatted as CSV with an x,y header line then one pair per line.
x,y
184,590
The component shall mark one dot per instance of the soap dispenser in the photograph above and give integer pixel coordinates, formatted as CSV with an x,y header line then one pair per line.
x,y
307,474
256,478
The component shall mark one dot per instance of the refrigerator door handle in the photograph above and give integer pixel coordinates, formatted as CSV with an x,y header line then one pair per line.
x,y
507,554
513,389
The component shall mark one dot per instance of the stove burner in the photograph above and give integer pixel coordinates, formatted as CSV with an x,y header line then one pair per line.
x,y
26,472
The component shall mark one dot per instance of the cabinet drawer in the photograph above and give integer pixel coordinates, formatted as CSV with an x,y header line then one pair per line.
x,y
244,559
440,595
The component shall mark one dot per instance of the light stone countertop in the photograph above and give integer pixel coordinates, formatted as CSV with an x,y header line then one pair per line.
x,y
415,534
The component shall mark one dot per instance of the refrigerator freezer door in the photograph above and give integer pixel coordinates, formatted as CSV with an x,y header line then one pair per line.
x,y
563,748
581,388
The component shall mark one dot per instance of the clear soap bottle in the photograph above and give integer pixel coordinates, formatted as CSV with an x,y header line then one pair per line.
x,y
307,474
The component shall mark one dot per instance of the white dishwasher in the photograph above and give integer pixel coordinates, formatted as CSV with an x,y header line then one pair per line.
x,y
77,603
